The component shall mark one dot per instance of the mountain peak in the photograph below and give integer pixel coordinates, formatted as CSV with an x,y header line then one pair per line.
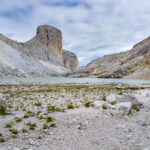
x,y
49,36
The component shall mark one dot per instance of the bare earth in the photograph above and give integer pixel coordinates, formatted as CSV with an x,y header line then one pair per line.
x,y
74,125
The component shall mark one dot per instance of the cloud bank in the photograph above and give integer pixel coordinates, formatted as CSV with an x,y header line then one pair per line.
x,y
91,28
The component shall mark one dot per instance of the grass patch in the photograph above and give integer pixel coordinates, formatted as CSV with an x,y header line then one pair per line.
x,y
31,125
3,111
70,106
50,119
52,108
38,104
104,106
87,104
14,131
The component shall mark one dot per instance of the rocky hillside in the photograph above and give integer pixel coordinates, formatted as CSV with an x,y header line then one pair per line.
x,y
134,63
42,55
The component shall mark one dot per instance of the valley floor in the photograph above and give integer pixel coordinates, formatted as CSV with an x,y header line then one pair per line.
x,y
74,117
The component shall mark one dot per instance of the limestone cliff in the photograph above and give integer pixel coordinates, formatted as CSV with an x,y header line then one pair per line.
x,y
44,49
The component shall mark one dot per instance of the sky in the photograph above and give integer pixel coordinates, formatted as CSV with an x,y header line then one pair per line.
x,y
91,28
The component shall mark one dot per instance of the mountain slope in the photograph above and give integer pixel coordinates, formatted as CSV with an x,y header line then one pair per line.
x,y
134,63
42,55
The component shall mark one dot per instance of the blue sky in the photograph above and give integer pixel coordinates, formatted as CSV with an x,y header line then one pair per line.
x,y
91,28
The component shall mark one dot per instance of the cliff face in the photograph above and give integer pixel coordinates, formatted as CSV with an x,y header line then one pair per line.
x,y
70,60
44,49
134,63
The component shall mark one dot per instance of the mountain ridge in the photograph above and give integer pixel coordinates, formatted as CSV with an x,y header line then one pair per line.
x,y
134,63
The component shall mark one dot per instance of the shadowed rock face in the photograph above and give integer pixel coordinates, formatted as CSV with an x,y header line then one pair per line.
x,y
134,63
70,60
46,48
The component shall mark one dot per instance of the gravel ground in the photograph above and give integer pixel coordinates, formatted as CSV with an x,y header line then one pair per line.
x,y
72,126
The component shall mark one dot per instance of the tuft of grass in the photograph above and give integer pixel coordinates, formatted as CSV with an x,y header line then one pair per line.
x,y
24,130
120,93
70,106
45,126
103,98
14,131
17,119
136,108
41,117
38,104
8,125
52,125
31,125
87,104
26,115
3,111
52,108
50,119
104,106
113,102
2,138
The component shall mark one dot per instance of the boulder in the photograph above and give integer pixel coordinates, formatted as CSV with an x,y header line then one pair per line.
x,y
124,107
99,104
124,98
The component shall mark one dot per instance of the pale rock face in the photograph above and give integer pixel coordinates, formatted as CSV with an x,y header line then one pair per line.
x,y
46,45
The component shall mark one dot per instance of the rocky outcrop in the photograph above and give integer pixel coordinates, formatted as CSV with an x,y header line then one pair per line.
x,y
70,60
42,55
134,63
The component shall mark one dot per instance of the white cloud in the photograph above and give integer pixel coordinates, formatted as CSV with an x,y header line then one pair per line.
x,y
91,28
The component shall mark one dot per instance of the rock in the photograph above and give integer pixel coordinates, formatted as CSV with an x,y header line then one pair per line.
x,y
144,121
99,104
2,101
31,142
124,107
70,60
114,98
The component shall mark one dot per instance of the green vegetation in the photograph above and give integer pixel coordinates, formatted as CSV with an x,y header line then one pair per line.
x,y
17,119
2,138
45,126
104,106
50,119
52,108
3,111
52,125
87,104
25,131
70,106
103,97
31,125
38,104
8,125
14,131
